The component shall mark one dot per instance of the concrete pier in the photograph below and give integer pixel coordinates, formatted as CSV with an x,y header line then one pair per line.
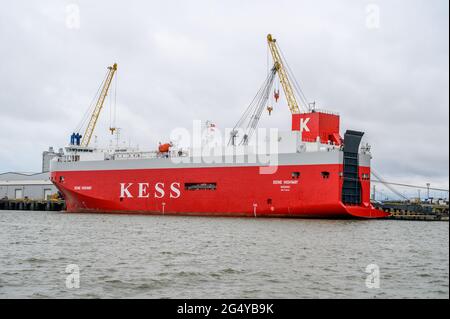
x,y
424,217
32,205
423,212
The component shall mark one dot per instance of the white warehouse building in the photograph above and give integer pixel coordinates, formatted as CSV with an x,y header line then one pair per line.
x,y
20,186
34,186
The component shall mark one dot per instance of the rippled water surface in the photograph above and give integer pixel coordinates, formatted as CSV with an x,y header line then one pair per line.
x,y
123,256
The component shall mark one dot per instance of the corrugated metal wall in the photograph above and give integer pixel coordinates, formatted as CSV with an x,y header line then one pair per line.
x,y
32,186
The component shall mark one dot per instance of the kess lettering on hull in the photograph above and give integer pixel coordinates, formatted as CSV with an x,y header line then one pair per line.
x,y
144,190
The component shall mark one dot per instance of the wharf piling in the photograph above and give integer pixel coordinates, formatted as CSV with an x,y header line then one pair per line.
x,y
423,212
32,205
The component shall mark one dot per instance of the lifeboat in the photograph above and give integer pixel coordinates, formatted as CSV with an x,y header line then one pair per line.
x,y
164,148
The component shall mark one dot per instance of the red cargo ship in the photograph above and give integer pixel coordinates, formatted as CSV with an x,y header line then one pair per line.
x,y
309,171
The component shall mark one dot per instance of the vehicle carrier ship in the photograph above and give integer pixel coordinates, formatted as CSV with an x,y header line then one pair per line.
x,y
307,171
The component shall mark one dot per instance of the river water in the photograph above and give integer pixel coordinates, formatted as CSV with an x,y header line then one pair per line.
x,y
123,256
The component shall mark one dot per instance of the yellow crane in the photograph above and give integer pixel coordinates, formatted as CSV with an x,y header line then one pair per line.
x,y
282,74
247,124
86,138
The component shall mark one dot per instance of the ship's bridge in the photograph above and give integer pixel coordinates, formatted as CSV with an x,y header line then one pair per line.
x,y
320,124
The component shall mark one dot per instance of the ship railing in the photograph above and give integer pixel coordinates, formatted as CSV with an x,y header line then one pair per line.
x,y
124,155
147,155
316,140
133,155
321,111
309,140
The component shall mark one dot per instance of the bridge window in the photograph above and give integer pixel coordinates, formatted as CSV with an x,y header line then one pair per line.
x,y
200,186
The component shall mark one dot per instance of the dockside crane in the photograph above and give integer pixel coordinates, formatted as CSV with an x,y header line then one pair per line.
x,y
248,122
282,75
86,137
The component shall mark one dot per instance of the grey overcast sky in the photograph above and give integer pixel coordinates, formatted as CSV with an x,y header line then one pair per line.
x,y
382,64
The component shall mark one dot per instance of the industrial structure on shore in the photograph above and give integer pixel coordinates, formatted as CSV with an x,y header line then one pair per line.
x,y
32,186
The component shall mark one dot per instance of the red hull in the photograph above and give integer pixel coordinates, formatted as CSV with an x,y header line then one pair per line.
x,y
237,191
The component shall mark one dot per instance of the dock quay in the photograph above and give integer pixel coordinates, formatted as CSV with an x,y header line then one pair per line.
x,y
409,211
397,210
32,205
